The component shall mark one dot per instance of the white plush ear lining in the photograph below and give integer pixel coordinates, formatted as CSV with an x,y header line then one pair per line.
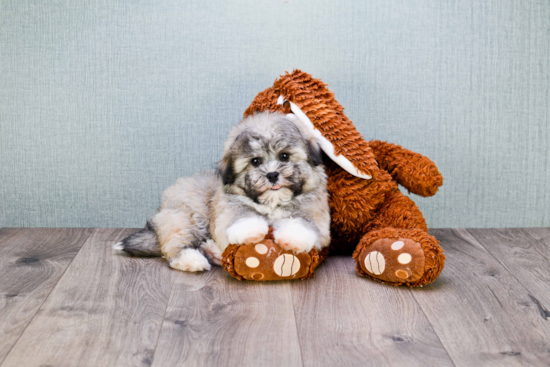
x,y
298,115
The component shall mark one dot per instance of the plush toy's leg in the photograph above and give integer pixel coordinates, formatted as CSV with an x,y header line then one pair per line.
x,y
398,248
268,261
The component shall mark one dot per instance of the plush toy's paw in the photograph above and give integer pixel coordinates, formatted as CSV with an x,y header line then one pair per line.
x,y
393,260
400,260
247,231
292,235
268,261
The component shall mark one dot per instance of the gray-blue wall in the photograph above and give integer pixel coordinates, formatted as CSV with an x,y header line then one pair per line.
x,y
103,104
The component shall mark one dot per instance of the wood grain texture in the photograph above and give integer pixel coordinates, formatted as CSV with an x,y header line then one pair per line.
x,y
525,253
69,300
31,263
106,310
346,320
481,313
213,319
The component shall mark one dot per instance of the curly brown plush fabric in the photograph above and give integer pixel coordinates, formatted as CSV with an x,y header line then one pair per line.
x,y
228,261
415,172
365,211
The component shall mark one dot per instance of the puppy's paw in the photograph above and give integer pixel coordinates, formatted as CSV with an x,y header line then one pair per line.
x,y
190,259
118,246
212,252
292,235
247,231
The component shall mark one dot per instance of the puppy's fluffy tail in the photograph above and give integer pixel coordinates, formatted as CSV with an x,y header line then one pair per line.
x,y
142,243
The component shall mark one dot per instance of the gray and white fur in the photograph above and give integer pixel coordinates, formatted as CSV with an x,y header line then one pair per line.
x,y
271,175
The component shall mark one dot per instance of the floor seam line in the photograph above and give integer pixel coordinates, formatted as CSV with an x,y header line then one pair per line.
x,y
296,325
163,318
45,298
504,265
432,327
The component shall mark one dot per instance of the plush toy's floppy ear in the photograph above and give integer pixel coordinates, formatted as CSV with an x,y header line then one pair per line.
x,y
225,167
352,154
314,106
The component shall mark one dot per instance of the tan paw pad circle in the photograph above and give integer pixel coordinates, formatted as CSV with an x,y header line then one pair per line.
x,y
252,262
261,248
375,263
404,258
257,276
402,274
393,260
397,245
286,265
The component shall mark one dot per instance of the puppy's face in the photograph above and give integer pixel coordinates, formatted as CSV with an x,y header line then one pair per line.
x,y
269,159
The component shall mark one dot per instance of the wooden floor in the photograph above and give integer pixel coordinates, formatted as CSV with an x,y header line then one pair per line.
x,y
66,299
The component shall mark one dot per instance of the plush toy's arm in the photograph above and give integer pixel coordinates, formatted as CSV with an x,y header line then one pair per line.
x,y
415,172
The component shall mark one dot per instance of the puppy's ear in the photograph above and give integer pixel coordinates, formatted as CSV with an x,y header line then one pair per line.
x,y
314,152
225,168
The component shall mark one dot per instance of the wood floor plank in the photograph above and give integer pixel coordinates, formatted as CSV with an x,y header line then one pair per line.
x,y
215,320
489,307
31,263
106,310
346,320
525,253
481,313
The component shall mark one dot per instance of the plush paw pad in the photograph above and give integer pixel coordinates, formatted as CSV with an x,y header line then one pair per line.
x,y
375,262
286,265
392,260
268,261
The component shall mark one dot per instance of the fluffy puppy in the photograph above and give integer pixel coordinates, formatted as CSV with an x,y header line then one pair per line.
x,y
271,175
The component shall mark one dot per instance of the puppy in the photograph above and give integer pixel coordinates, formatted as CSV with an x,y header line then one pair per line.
x,y
271,174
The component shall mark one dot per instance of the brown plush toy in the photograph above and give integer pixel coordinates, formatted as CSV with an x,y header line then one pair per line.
x,y
368,212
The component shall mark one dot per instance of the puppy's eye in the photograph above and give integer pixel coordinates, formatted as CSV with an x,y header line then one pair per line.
x,y
284,157
256,162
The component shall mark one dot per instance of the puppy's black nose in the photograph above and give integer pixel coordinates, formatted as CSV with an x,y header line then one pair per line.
x,y
272,176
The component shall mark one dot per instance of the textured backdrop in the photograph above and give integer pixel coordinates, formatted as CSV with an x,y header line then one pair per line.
x,y
103,104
